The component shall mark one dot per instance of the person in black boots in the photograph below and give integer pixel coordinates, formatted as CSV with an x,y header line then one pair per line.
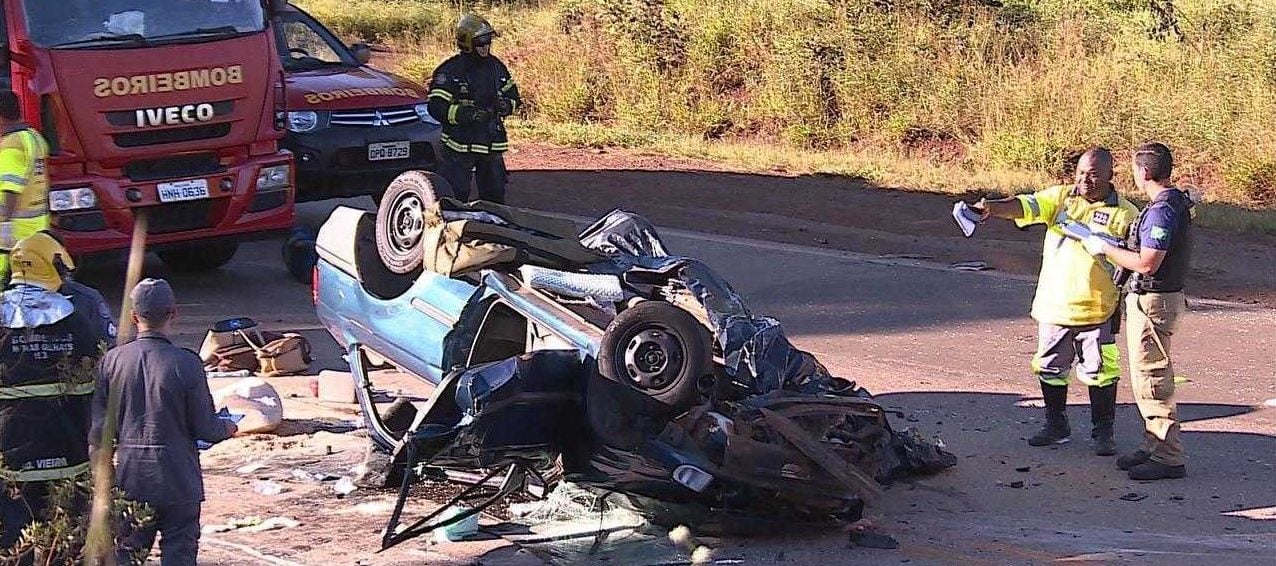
x,y
1158,257
1077,298
470,94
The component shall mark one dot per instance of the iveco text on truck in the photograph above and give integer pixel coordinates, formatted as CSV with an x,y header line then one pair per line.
x,y
173,107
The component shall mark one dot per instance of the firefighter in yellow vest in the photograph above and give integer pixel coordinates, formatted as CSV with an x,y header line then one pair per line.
x,y
24,179
1077,299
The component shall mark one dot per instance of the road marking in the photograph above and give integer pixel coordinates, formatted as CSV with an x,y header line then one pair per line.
x,y
885,260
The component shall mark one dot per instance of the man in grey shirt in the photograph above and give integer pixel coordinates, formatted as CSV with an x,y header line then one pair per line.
x,y
165,408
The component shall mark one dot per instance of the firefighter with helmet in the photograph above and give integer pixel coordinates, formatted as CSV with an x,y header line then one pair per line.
x,y
55,331
470,94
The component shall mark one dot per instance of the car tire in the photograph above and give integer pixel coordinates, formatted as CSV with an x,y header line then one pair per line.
x,y
199,258
659,350
400,219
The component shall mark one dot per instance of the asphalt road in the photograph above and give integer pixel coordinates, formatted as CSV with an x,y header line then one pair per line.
x,y
951,350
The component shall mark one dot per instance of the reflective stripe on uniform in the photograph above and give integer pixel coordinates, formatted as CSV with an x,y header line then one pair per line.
x,y
15,179
451,113
500,146
50,473
1033,209
508,85
44,390
30,213
441,94
1110,370
466,148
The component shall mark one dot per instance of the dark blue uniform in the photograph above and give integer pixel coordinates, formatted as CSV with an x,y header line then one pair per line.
x,y
165,407
50,345
469,95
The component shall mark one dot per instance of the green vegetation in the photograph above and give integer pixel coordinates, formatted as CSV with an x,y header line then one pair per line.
x,y
940,94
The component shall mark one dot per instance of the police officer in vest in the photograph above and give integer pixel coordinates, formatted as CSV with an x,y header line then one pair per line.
x,y
24,181
1158,257
55,331
470,94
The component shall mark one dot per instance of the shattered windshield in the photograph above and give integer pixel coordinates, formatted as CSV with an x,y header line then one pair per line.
x,y
73,24
305,45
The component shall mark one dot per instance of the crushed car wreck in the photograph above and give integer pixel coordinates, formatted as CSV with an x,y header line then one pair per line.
x,y
596,357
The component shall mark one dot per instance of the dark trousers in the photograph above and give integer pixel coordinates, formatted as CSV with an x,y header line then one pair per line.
x,y
18,512
489,174
178,526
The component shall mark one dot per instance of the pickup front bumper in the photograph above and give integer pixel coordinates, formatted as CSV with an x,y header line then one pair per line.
x,y
334,162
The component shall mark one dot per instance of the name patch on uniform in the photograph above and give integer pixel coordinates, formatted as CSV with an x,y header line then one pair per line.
x,y
1102,218
1159,233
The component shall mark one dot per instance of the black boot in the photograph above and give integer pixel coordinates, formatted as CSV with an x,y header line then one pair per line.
x,y
1056,430
1102,415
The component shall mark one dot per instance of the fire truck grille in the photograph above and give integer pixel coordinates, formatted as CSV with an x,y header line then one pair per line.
x,y
396,116
176,135
178,217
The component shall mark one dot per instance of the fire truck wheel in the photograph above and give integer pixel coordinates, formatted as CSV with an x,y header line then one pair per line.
x,y
198,258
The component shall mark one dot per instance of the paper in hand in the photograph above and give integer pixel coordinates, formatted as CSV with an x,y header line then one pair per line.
x,y
966,218
228,416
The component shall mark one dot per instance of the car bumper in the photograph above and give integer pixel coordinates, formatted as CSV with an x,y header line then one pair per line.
x,y
333,162
234,210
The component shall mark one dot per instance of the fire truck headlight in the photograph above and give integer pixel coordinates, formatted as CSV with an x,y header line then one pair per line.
x,y
273,177
304,121
423,112
72,199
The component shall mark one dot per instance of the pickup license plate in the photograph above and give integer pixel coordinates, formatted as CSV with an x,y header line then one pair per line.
x,y
194,189
389,150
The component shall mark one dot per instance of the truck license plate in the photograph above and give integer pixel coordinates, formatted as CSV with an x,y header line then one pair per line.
x,y
193,189
389,150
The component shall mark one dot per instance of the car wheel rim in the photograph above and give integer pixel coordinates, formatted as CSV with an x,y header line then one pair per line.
x,y
653,358
407,222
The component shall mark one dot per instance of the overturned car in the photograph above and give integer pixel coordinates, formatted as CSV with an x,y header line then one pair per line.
x,y
594,356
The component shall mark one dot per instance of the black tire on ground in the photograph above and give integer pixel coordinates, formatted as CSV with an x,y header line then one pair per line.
x,y
199,257
659,350
400,223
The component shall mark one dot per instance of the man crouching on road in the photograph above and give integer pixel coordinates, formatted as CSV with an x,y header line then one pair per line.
x,y
165,407
1076,305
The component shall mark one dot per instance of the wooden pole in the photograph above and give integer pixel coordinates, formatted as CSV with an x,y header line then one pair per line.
x,y
100,546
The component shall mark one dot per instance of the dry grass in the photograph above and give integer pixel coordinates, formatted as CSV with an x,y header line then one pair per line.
x,y
939,94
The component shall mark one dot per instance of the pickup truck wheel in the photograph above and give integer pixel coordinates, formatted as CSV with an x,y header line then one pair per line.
x,y
658,349
401,219
199,258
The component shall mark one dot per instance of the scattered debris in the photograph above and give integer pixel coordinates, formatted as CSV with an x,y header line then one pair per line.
x,y
1023,469
1270,403
1177,498
344,487
250,468
1017,484
252,525
459,530
257,400
267,487
873,540
971,266
225,374
1134,496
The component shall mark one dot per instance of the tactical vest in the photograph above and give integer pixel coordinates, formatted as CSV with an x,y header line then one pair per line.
x,y
1172,275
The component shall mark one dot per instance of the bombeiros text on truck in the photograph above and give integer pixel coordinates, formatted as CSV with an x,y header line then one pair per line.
x,y
172,107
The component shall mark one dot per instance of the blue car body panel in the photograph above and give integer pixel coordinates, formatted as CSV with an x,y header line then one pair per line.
x,y
409,330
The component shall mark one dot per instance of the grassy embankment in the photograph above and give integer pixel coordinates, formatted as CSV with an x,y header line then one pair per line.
x,y
936,95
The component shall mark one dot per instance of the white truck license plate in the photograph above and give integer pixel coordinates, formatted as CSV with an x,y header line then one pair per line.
x,y
193,189
389,150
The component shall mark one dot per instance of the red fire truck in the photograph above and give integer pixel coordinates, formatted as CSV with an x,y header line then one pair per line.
x,y
172,107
